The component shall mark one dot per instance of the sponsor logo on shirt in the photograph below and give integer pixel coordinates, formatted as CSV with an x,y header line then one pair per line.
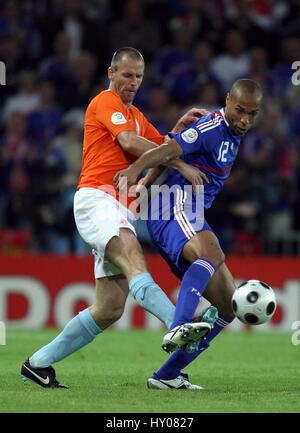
x,y
118,118
190,135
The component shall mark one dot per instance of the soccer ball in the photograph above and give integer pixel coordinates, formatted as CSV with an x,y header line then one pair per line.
x,y
254,302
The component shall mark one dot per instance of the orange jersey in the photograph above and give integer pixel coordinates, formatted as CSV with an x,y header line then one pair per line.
x,y
103,156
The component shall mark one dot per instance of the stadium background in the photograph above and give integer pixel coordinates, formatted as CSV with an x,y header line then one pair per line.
x,y
56,55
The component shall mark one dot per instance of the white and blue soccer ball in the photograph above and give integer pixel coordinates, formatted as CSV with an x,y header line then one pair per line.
x,y
254,302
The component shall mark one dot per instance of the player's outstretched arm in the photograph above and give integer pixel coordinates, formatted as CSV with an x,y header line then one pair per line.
x,y
152,158
167,154
192,174
135,144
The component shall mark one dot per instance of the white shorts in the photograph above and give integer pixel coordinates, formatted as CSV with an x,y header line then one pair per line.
x,y
98,218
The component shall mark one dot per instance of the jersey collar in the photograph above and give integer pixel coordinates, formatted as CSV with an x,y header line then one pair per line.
x,y
224,118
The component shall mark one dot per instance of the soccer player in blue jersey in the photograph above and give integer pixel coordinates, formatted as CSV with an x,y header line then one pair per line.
x,y
186,242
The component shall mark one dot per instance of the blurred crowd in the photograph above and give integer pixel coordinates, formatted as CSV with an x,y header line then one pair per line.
x,y
56,54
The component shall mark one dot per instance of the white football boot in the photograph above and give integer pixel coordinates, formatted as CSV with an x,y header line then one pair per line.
x,y
180,382
185,334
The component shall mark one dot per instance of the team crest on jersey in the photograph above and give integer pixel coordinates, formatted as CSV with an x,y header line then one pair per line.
x,y
190,135
118,118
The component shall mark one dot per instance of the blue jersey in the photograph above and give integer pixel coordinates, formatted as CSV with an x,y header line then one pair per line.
x,y
210,145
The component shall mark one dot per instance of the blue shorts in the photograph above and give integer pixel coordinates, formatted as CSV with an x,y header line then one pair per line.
x,y
172,223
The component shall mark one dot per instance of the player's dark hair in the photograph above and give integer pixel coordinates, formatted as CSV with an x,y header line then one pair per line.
x,y
246,85
128,52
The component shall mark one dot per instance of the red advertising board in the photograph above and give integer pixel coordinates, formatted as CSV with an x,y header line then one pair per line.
x,y
38,291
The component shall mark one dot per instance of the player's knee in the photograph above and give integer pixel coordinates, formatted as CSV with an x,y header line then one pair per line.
x,y
216,256
107,315
116,314
206,248
220,257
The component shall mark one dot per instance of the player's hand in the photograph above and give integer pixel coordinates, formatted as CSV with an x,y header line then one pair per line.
x,y
142,183
150,177
190,116
194,176
124,179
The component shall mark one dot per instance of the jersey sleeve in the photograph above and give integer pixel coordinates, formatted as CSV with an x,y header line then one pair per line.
x,y
113,114
152,134
191,140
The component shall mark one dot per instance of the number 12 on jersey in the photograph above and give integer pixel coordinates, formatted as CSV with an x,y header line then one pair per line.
x,y
223,150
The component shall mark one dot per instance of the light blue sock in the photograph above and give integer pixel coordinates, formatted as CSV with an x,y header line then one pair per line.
x,y
77,333
152,298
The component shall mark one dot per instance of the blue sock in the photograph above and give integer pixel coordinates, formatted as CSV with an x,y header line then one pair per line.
x,y
77,333
152,298
192,286
180,359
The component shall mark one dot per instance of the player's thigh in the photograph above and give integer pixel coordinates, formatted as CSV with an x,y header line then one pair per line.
x,y
108,227
126,252
220,289
133,247
204,244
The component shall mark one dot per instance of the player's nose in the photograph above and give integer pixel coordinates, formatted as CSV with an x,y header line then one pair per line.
x,y
134,82
245,121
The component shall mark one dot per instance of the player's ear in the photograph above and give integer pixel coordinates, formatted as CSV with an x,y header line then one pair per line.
x,y
228,100
110,73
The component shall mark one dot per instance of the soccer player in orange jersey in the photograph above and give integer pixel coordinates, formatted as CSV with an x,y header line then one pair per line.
x,y
115,134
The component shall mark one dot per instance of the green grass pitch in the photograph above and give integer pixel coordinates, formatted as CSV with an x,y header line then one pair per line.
x,y
240,372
